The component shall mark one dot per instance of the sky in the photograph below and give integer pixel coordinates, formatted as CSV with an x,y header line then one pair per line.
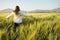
x,y
29,5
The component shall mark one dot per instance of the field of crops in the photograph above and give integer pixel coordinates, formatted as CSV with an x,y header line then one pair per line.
x,y
43,26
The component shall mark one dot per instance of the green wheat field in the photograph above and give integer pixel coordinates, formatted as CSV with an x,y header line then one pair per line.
x,y
42,26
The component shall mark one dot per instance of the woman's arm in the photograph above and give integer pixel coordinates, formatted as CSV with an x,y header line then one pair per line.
x,y
25,14
9,15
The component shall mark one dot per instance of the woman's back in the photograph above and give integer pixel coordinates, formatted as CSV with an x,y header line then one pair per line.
x,y
18,18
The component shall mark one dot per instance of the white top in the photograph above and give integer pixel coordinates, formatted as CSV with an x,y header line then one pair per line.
x,y
17,19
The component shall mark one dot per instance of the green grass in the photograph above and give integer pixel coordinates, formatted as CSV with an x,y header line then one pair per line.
x,y
43,26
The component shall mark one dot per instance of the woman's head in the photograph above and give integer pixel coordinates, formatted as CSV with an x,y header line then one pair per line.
x,y
17,9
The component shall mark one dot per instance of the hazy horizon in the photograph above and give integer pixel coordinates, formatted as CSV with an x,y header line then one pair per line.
x,y
30,4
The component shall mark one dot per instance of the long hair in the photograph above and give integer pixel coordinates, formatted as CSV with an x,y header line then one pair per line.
x,y
17,9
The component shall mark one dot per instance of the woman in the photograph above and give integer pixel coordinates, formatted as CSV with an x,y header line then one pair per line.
x,y
17,13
